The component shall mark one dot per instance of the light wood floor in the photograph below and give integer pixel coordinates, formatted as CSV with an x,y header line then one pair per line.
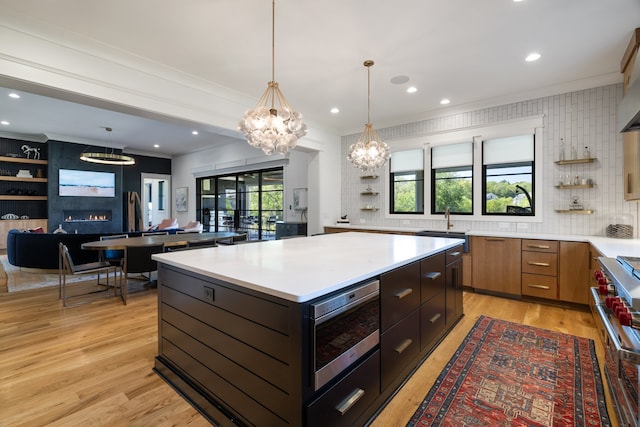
x,y
91,364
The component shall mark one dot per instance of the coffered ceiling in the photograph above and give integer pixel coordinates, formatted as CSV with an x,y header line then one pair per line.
x,y
468,51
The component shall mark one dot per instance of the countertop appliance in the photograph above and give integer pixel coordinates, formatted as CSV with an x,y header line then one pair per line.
x,y
616,311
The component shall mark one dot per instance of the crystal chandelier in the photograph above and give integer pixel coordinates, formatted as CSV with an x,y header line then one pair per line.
x,y
370,152
273,125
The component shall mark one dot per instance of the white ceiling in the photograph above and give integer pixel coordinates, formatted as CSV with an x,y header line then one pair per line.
x,y
469,51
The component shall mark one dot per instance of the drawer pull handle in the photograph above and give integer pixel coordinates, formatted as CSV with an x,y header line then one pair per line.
x,y
403,346
539,286
539,264
539,246
350,400
493,239
404,293
434,318
456,253
433,275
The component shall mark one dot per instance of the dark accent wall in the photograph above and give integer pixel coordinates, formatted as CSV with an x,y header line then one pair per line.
x,y
66,155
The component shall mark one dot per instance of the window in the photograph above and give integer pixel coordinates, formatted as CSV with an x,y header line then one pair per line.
x,y
407,182
508,176
161,195
452,178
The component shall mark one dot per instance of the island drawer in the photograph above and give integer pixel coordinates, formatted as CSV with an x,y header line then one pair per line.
x,y
398,346
432,278
399,294
537,285
344,402
432,320
454,254
540,263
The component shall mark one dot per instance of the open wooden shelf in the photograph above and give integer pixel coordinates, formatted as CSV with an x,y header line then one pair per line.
x,y
22,160
18,179
575,162
12,197
572,186
575,211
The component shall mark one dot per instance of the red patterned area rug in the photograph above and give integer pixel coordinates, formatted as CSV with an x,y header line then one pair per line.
x,y
507,374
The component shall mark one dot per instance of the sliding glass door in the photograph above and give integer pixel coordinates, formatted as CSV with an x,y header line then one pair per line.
x,y
247,202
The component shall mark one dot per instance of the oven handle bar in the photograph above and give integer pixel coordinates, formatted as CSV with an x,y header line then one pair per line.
x,y
623,353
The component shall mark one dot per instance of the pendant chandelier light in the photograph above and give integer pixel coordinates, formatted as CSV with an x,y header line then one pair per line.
x,y
273,125
370,152
106,158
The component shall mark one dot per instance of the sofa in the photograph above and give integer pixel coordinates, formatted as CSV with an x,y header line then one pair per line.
x,y
40,250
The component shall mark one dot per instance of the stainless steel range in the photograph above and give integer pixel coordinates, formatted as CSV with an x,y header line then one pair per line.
x,y
616,309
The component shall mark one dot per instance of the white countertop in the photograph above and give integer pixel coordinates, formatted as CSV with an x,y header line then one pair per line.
x,y
608,246
305,268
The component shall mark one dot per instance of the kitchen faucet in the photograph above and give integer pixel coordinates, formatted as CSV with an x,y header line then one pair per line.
x,y
447,214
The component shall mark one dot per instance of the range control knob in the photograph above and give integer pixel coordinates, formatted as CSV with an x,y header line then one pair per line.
x,y
624,317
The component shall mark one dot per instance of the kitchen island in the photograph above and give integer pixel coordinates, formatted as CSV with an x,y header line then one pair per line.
x,y
236,336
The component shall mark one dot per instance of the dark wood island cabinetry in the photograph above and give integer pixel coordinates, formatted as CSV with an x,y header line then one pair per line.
x,y
243,355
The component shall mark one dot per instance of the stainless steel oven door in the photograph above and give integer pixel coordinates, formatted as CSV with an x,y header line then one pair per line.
x,y
349,329
621,368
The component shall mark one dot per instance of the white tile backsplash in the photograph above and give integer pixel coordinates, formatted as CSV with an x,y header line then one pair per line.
x,y
583,118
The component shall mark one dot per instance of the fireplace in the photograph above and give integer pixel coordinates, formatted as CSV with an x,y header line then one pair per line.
x,y
87,216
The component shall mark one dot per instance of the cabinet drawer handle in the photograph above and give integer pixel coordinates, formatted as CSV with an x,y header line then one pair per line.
x,y
433,275
404,293
539,264
403,346
539,286
539,246
456,253
434,318
349,401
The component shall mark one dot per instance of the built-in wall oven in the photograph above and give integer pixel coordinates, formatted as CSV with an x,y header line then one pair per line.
x,y
344,328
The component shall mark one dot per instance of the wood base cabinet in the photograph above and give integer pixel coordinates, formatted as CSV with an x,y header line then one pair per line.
x,y
496,264
574,272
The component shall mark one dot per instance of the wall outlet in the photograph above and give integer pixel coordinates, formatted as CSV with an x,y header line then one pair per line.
x,y
522,226
209,295
362,221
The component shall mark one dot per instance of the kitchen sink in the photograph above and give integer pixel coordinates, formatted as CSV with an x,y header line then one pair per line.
x,y
450,234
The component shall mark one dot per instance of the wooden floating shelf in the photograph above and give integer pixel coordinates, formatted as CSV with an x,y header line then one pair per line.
x,y
368,209
575,211
564,187
369,193
22,160
15,178
574,162
11,197
369,177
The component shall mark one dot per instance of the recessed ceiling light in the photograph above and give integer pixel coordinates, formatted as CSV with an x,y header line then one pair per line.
x,y
335,110
156,146
445,101
517,1
14,95
412,89
4,122
195,132
534,56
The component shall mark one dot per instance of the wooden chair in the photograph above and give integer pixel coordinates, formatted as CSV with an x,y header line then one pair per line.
x,y
66,266
137,259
